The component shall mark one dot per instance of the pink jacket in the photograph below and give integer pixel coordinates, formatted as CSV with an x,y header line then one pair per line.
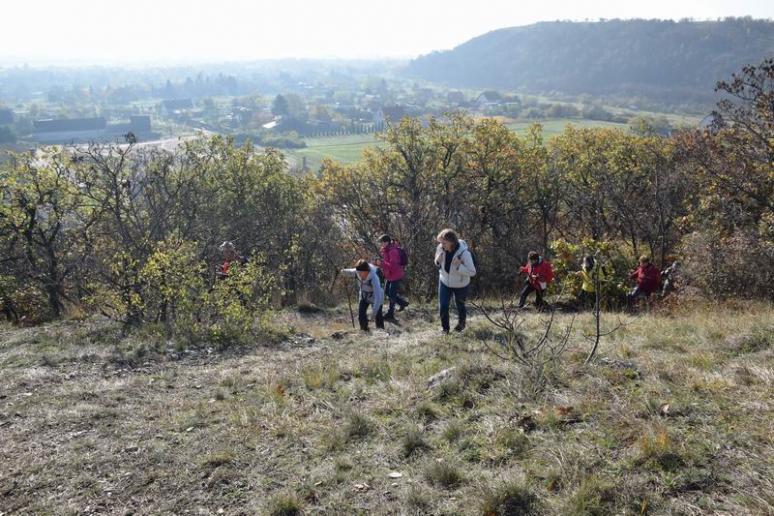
x,y
391,263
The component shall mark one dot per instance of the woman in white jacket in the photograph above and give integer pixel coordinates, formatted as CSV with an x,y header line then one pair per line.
x,y
455,268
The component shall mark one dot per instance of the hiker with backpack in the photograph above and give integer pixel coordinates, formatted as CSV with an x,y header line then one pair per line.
x,y
540,274
371,293
393,264
455,268
648,279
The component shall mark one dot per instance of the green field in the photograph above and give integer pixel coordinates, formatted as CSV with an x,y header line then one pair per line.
x,y
349,148
554,127
345,149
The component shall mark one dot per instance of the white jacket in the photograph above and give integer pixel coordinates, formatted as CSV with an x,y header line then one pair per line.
x,y
458,275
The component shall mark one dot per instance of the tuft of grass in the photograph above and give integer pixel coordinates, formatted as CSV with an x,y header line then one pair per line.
x,y
448,390
374,370
511,443
454,431
594,497
427,412
413,441
318,377
444,474
657,450
220,458
418,499
284,504
510,498
760,338
358,426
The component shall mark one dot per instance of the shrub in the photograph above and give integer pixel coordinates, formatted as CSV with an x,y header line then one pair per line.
x,y
739,265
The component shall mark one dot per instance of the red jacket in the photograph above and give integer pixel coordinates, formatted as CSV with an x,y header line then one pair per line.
x,y
648,278
391,263
543,272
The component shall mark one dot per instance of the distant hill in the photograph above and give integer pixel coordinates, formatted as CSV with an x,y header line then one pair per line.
x,y
665,60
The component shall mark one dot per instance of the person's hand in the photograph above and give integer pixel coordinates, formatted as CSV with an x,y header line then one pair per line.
x,y
456,261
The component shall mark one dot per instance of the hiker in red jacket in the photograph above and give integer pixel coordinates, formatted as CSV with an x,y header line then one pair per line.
x,y
393,264
230,255
648,279
540,273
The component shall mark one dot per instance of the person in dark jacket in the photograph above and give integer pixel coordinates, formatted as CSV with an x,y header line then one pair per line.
x,y
540,274
648,279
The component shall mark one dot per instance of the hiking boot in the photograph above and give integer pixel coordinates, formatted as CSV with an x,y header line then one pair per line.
x,y
390,318
445,331
459,328
403,306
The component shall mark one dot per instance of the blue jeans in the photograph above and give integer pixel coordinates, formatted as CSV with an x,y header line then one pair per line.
x,y
391,292
444,299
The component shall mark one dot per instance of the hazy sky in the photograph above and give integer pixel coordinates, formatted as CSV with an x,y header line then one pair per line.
x,y
207,30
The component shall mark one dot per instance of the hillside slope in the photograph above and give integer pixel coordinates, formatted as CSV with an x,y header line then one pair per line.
x,y
651,58
675,418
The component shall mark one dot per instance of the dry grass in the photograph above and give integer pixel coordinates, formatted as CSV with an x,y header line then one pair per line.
x,y
676,418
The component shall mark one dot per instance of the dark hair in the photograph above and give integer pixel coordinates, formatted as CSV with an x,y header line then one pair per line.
x,y
385,238
362,265
533,255
588,260
449,235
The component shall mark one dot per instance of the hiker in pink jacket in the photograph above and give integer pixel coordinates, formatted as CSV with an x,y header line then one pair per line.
x,y
393,265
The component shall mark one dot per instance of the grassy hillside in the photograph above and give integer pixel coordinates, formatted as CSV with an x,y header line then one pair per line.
x,y
676,417
665,60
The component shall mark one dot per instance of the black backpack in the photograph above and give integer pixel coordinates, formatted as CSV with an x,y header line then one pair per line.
x,y
474,258
404,257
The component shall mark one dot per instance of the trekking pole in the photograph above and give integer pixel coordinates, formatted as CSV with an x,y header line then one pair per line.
x,y
349,302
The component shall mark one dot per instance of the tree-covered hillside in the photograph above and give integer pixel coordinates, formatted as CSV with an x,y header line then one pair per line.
x,y
667,60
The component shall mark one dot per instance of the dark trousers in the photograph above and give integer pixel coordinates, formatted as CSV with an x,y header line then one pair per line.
x,y
391,289
527,290
444,299
587,299
362,315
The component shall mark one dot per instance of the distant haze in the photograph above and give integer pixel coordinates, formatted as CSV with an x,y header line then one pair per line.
x,y
165,31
